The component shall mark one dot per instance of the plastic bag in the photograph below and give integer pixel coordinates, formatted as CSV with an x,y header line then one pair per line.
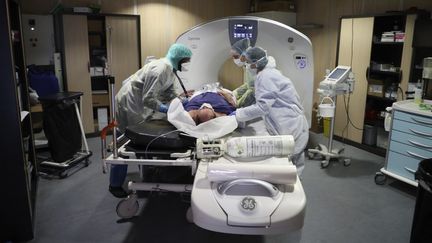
x,y
212,129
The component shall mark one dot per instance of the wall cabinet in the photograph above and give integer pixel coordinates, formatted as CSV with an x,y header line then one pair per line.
x,y
379,50
92,47
18,173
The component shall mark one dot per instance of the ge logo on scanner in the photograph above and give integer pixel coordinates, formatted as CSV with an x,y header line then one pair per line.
x,y
301,63
248,204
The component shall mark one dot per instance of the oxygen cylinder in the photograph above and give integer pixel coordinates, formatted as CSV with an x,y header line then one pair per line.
x,y
256,146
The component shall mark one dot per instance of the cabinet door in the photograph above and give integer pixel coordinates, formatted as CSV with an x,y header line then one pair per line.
x,y
122,45
354,50
77,64
407,53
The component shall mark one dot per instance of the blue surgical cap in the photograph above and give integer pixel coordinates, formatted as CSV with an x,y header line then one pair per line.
x,y
258,56
241,46
176,53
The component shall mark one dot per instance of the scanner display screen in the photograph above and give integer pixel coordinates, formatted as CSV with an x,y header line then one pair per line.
x,y
336,74
242,30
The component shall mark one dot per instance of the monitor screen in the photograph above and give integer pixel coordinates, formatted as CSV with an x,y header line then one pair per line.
x,y
337,73
242,30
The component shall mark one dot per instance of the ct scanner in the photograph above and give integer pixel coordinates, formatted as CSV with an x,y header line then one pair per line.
x,y
259,195
211,42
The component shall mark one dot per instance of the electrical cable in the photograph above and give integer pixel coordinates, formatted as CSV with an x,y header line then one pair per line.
x,y
151,141
347,113
346,106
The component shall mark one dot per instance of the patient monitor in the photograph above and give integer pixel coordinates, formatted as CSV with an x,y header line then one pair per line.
x,y
211,43
337,82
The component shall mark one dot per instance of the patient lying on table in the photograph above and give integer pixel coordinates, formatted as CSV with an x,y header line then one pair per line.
x,y
207,105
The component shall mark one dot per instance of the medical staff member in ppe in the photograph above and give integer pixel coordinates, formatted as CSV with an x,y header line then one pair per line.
x,y
277,102
145,94
245,94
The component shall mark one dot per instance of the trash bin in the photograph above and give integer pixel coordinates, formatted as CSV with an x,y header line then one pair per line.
x,y
61,125
422,222
369,135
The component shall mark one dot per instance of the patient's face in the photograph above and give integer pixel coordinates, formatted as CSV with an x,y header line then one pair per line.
x,y
202,115
206,114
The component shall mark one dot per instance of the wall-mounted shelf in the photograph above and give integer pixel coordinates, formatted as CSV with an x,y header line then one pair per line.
x,y
388,43
383,99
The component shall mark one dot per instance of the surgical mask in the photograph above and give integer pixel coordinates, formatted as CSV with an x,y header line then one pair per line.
x,y
185,67
238,62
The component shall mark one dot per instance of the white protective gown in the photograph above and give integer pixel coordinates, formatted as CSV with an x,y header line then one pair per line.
x,y
278,103
143,92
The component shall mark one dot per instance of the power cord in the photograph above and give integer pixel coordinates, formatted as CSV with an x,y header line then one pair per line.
x,y
154,139
347,113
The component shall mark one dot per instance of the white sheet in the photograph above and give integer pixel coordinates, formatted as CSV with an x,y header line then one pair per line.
x,y
212,129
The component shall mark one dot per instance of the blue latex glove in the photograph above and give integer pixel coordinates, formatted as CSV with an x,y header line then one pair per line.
x,y
163,108
185,101
232,113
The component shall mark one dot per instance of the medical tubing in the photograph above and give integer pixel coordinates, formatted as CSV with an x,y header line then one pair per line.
x,y
181,83
151,141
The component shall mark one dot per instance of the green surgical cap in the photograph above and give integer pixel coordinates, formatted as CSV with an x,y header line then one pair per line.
x,y
176,53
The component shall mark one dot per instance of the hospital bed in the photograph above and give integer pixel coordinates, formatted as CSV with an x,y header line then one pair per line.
x,y
240,195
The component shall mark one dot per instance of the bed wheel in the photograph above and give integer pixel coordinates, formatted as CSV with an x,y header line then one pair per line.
x,y
380,178
324,164
128,207
189,216
347,162
63,174
313,155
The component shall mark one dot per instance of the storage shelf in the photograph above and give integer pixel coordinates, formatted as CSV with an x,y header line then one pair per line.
x,y
392,73
378,122
381,98
388,43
